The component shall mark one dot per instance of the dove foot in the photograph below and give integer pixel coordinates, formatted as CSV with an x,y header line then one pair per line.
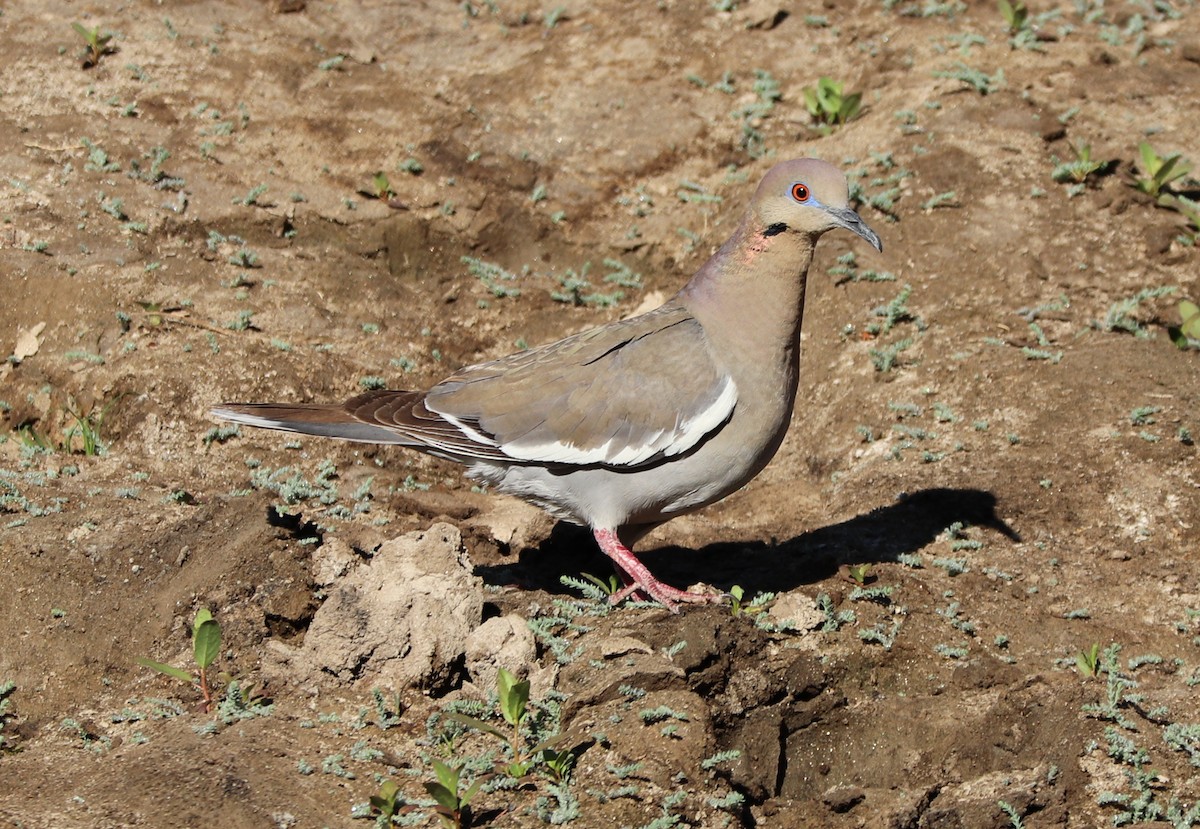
x,y
639,581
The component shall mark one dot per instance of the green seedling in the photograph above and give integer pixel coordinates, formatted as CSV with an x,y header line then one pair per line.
x,y
381,187
827,104
1015,14
737,607
514,708
608,588
96,46
1187,334
860,574
387,802
206,644
453,808
1081,169
1159,172
559,764
1088,661
87,429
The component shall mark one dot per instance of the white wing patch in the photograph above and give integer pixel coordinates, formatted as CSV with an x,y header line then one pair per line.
x,y
688,432
472,434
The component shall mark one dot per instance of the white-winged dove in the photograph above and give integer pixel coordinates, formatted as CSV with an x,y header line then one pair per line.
x,y
625,426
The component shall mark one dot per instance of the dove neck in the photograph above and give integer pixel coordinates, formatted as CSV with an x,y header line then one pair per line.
x,y
755,286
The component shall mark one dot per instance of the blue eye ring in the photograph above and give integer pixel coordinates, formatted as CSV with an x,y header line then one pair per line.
x,y
800,192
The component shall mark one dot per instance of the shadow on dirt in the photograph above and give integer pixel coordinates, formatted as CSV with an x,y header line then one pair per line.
x,y
881,535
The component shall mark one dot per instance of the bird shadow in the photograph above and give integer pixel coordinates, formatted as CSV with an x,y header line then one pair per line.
x,y
881,535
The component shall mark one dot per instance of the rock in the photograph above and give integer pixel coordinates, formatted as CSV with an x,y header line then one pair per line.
x,y
400,620
331,561
501,642
513,524
798,610
763,14
842,799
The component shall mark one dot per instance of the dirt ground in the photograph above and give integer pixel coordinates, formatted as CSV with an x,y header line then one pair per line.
x,y
992,418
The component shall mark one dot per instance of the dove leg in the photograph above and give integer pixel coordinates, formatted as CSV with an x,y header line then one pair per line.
x,y
639,579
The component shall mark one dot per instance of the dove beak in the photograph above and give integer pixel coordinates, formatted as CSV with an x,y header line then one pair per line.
x,y
851,221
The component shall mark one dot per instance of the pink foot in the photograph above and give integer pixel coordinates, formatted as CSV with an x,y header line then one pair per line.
x,y
639,579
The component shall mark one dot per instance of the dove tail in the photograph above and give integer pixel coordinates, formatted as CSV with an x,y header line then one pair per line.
x,y
321,420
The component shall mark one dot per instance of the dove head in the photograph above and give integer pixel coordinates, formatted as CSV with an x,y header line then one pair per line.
x,y
808,196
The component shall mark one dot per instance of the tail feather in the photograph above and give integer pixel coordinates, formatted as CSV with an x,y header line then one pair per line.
x,y
312,419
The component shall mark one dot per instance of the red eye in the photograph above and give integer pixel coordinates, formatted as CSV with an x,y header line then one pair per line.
x,y
799,192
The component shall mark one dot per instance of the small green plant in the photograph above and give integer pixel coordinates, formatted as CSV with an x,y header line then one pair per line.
x,y
493,277
453,808
6,689
411,166
829,106
977,79
1015,14
1187,334
607,588
1079,170
559,764
206,644
751,115
739,608
388,802
1087,661
87,429
577,290
514,708
884,359
1159,172
1010,811
381,188
1120,314
858,573
96,44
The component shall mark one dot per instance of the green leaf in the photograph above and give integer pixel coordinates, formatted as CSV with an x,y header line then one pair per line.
x,y
1189,312
447,776
518,770
385,800
1163,173
206,641
608,587
850,107
513,697
82,31
445,798
473,790
546,744
169,670
479,725
811,102
1149,158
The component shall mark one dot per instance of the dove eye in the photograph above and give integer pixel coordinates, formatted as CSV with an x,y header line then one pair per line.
x,y
800,192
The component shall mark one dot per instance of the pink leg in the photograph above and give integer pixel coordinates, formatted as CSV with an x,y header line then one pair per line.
x,y
639,579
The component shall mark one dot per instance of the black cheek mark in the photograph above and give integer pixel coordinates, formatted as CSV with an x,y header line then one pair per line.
x,y
775,229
